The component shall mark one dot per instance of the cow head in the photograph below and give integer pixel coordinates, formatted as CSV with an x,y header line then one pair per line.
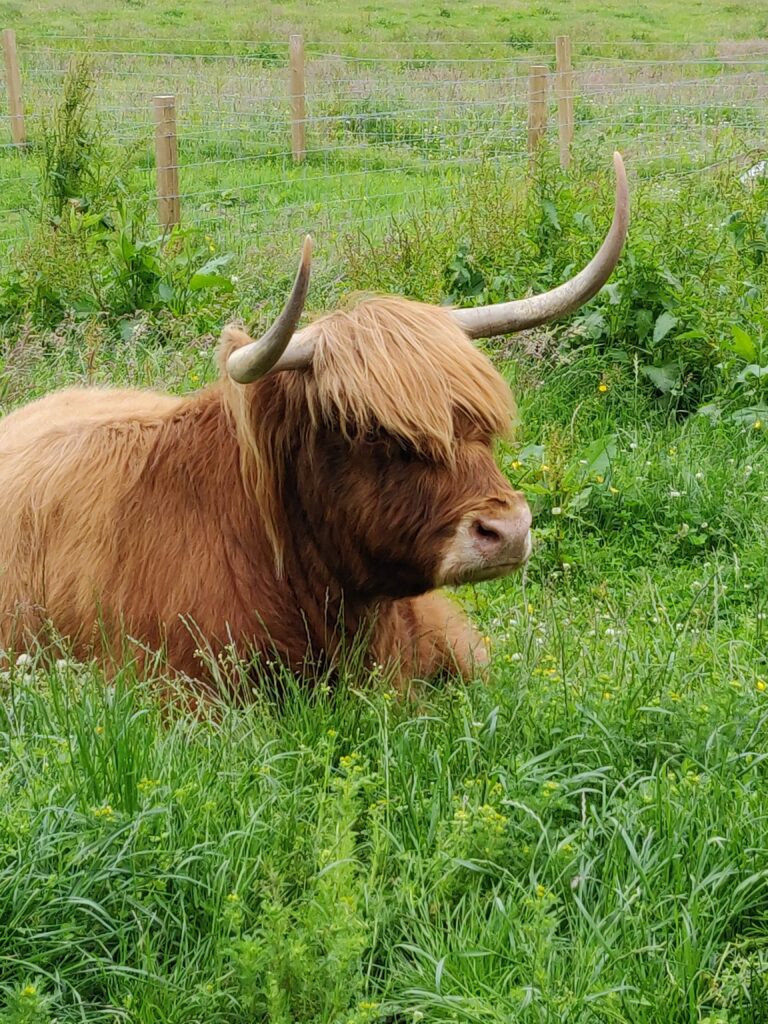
x,y
375,427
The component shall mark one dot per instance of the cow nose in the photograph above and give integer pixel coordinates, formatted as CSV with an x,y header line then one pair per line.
x,y
501,540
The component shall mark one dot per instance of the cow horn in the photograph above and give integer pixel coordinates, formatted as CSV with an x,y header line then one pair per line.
x,y
257,358
506,317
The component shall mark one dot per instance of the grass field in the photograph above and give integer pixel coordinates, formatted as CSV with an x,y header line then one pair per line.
x,y
433,20
585,838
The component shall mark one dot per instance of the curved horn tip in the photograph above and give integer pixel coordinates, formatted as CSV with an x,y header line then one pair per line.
x,y
254,359
520,314
622,188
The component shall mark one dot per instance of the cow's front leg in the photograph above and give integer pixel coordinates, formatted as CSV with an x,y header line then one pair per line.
x,y
431,637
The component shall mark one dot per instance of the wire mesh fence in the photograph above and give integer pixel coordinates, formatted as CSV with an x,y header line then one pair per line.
x,y
382,128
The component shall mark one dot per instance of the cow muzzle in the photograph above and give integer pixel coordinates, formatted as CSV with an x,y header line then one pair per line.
x,y
487,546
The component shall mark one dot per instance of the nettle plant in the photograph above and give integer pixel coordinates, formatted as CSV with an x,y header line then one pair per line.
x,y
94,250
110,264
745,371
561,486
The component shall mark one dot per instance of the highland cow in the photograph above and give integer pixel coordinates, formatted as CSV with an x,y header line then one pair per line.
x,y
327,485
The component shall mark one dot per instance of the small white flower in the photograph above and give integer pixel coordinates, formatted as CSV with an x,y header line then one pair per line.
x,y
23,659
557,511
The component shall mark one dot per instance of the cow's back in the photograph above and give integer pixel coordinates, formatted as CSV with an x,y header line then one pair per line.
x,y
66,461
79,408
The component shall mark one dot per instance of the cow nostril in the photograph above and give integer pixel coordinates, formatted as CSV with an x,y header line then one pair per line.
x,y
486,533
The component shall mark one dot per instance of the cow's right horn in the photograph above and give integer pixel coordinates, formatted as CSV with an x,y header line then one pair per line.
x,y
506,317
254,360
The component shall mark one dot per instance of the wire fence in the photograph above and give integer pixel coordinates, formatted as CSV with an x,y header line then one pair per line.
x,y
381,127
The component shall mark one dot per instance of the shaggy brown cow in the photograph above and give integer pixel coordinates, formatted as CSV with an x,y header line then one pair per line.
x,y
331,480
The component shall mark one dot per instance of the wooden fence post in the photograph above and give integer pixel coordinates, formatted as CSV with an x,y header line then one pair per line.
x,y
167,162
298,104
537,107
13,86
564,83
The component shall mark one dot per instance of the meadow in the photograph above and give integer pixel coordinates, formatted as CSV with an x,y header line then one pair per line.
x,y
496,20
581,839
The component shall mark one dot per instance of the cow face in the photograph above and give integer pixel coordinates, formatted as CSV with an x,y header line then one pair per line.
x,y
394,523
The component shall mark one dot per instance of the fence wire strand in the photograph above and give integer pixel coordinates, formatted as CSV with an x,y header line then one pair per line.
x,y
378,120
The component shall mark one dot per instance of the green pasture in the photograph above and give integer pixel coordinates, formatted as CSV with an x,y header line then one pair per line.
x,y
583,839
443,21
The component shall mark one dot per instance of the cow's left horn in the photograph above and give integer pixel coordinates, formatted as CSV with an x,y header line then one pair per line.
x,y
254,360
506,317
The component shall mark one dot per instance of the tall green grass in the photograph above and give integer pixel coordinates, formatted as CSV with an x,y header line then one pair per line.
x,y
585,838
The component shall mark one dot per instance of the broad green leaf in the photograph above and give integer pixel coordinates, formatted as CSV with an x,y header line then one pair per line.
x,y
742,344
216,263
200,282
664,377
127,330
550,212
670,278
690,335
127,248
753,370
664,324
594,461
580,500
531,453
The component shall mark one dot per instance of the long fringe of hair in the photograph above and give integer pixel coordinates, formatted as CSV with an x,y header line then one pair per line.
x,y
387,364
